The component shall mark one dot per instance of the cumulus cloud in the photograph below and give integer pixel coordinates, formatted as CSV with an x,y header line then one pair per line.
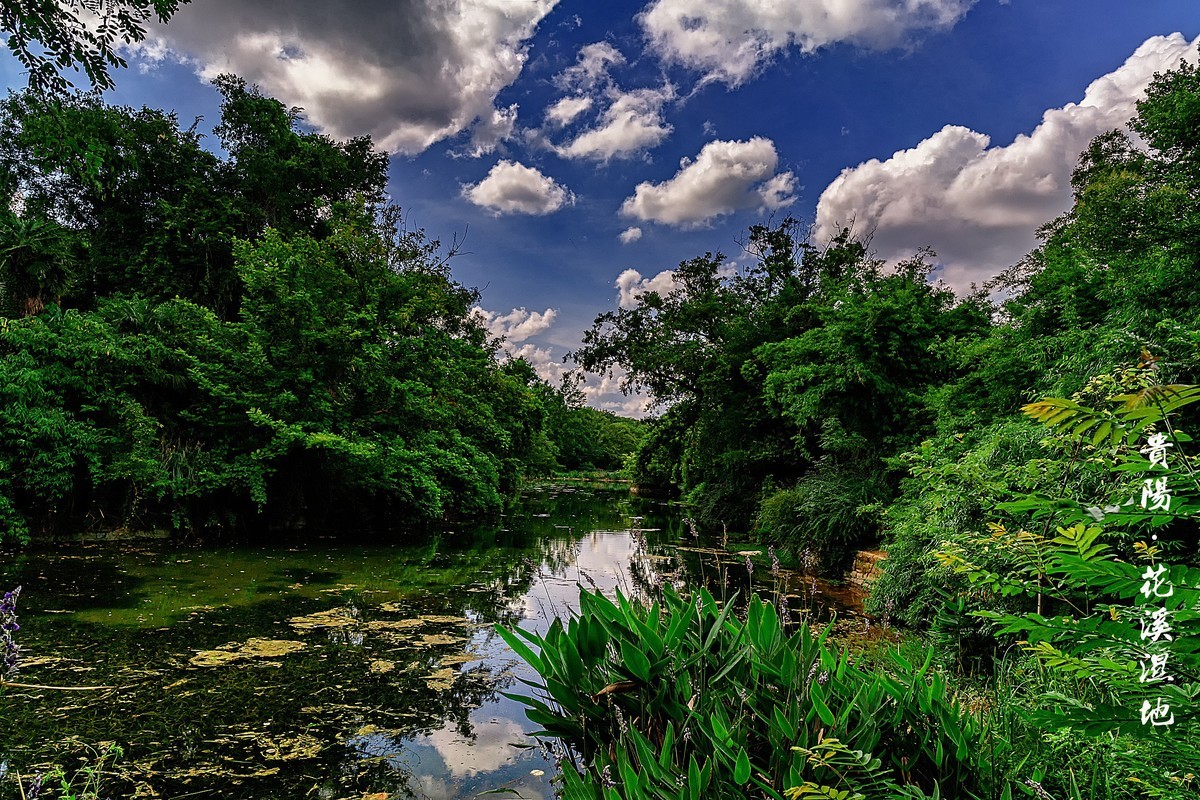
x,y
632,123
520,324
630,235
725,177
626,122
631,285
728,40
564,111
512,188
514,328
408,72
517,325
979,205
604,392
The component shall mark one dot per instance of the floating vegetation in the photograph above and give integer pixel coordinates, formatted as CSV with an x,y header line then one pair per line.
x,y
396,625
442,679
437,639
324,694
253,648
457,658
330,618
442,619
291,748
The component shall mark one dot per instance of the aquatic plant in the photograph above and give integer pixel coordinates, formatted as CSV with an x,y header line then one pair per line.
x,y
681,699
10,651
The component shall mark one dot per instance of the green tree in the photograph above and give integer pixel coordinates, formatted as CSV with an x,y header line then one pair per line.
x,y
802,372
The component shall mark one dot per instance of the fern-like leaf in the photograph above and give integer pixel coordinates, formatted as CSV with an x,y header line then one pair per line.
x,y
1160,399
1058,413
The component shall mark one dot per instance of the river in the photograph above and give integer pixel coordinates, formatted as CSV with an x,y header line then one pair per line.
x,y
313,667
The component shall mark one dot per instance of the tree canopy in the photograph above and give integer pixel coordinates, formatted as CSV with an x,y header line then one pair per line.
x,y
195,342
49,36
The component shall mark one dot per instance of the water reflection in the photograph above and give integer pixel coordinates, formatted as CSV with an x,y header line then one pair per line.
x,y
315,669
318,668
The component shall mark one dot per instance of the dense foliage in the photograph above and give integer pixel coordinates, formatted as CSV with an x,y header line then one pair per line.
x,y
789,382
683,699
583,438
192,341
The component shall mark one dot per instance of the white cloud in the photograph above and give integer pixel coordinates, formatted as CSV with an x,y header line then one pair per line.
x,y
600,391
564,112
591,68
407,72
542,359
512,188
604,392
628,122
725,177
488,133
517,325
632,123
630,235
630,286
514,328
728,40
979,205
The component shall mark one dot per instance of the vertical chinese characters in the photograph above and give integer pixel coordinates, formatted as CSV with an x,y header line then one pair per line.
x,y
1156,585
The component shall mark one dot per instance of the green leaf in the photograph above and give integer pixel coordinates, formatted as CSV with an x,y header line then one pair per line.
x,y
520,648
635,661
823,711
741,769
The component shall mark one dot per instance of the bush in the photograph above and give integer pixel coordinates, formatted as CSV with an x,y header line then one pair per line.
x,y
831,512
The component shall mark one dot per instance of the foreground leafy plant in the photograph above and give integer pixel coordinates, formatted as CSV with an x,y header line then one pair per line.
x,y
682,699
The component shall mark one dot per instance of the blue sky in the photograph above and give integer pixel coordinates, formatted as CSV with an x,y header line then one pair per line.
x,y
584,149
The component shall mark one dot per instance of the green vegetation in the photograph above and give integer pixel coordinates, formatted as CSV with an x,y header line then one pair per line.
x,y
192,342
685,700
831,403
1097,696
583,438
203,342
790,384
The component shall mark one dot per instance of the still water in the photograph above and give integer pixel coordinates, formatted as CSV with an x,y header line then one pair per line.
x,y
317,668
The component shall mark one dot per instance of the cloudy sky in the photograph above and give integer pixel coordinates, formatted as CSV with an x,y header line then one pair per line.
x,y
582,149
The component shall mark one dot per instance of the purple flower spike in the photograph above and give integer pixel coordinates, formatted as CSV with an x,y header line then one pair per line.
x,y
10,652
